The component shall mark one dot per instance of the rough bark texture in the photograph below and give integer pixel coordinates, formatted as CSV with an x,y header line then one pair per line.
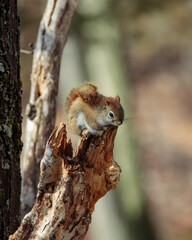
x,y
70,186
42,104
10,119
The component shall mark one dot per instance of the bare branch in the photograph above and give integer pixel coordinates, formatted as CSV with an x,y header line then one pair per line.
x,y
41,109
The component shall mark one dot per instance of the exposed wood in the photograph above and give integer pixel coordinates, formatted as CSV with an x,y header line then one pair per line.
x,y
10,119
70,186
41,109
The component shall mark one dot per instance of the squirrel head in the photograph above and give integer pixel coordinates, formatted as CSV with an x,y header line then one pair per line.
x,y
114,113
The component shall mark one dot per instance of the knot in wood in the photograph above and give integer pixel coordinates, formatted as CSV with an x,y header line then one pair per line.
x,y
31,111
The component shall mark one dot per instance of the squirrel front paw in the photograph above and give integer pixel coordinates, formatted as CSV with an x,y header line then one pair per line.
x,y
85,133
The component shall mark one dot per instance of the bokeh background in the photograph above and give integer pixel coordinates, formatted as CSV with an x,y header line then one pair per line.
x,y
142,50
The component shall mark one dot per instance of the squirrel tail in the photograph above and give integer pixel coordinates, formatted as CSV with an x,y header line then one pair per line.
x,y
88,93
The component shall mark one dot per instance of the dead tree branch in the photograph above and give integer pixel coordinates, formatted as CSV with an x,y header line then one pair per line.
x,y
70,186
41,109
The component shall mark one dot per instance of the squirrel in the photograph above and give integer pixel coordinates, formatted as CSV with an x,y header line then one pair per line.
x,y
88,111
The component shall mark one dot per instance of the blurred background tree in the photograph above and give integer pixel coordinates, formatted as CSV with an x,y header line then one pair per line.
x,y
142,51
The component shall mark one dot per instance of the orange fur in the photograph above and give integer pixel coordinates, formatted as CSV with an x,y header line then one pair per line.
x,y
87,92
88,109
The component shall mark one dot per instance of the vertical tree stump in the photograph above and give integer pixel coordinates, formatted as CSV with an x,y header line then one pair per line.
x,y
70,186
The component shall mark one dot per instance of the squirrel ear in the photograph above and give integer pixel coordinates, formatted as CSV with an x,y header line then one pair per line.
x,y
117,98
105,103
107,100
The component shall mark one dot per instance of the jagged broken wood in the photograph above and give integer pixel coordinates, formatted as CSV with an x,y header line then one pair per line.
x,y
70,186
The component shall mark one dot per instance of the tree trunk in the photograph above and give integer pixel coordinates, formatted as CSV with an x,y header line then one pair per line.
x,y
10,119
70,186
41,109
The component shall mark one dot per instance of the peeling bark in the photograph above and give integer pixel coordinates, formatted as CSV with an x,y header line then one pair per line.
x,y
70,186
41,110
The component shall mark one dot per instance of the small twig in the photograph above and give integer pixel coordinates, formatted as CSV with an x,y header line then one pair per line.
x,y
26,51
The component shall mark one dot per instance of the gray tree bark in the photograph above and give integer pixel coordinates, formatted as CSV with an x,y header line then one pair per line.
x,y
41,109
10,119
70,186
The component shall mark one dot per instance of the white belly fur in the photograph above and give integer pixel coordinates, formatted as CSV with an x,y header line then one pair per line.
x,y
82,124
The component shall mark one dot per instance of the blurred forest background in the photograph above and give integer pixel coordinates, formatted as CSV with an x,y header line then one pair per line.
x,y
140,49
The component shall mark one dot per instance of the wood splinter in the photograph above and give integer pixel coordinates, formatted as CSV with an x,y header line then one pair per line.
x,y
70,186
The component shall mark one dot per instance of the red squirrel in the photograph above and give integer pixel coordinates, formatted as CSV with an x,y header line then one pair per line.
x,y
88,111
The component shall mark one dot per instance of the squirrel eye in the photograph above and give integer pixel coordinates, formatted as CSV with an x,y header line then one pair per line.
x,y
111,114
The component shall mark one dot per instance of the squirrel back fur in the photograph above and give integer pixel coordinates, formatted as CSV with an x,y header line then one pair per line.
x,y
87,92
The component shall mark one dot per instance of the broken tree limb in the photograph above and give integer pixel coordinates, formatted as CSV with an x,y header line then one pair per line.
x,y
70,186
41,110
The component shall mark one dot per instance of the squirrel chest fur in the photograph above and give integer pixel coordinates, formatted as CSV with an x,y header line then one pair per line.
x,y
89,110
